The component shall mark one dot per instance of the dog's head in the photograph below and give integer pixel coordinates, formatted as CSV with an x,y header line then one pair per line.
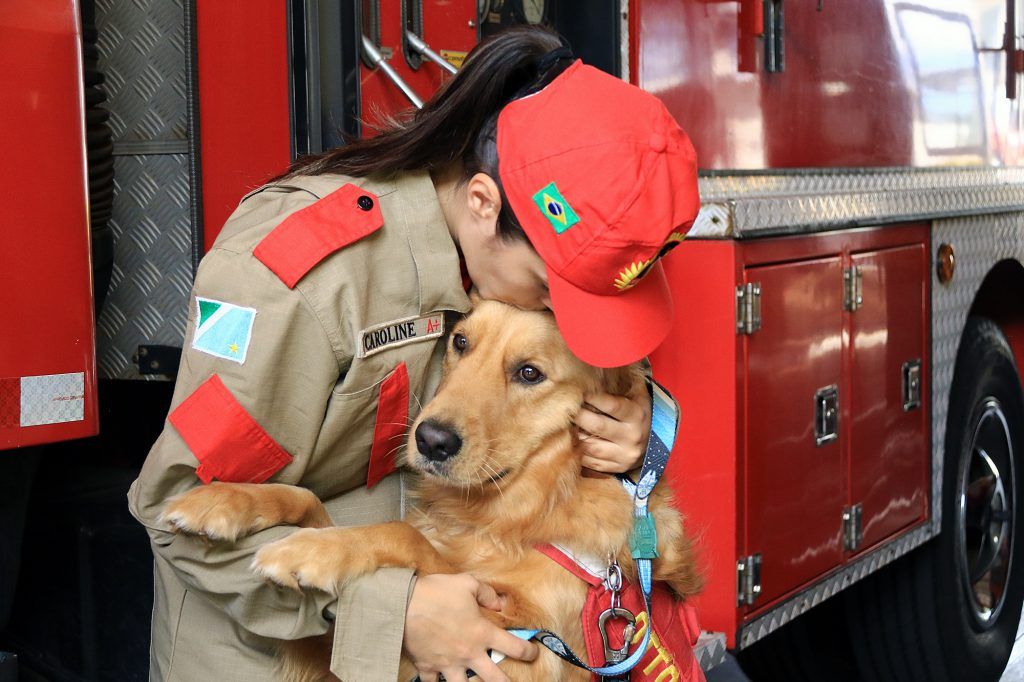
x,y
510,387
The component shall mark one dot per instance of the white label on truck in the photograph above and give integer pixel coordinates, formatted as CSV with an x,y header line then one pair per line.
x,y
52,399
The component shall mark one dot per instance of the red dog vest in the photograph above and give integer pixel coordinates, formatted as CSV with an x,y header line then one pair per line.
x,y
669,656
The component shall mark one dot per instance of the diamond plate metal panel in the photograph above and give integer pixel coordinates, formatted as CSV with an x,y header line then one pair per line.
x,y
142,53
798,202
714,220
710,650
767,623
148,297
980,243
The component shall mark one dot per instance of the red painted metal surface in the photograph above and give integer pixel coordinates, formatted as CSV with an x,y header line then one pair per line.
x,y
879,83
888,446
794,488
243,102
447,25
742,485
45,271
697,364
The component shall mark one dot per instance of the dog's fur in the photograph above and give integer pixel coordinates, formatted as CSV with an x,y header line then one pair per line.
x,y
515,483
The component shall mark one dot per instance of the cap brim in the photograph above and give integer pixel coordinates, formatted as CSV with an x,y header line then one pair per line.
x,y
614,330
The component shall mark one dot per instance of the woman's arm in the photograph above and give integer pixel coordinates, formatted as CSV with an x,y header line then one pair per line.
x,y
249,402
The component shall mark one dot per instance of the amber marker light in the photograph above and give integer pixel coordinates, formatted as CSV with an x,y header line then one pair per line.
x,y
945,263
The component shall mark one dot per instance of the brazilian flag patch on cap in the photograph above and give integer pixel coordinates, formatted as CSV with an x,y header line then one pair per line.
x,y
555,208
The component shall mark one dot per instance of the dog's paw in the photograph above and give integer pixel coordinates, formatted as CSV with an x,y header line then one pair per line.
x,y
311,558
218,511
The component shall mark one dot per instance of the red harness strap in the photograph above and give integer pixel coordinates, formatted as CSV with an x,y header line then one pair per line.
x,y
669,657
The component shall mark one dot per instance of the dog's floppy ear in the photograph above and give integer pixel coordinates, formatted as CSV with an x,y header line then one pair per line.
x,y
626,380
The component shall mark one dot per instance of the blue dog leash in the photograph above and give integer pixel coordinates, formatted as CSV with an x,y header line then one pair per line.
x,y
643,542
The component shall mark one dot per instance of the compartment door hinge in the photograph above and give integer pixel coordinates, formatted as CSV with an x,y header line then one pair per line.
x,y
748,579
748,308
853,532
853,288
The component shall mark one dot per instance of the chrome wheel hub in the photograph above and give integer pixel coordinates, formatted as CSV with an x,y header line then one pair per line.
x,y
985,512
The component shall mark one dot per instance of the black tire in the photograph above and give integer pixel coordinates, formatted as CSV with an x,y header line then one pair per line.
x,y
985,378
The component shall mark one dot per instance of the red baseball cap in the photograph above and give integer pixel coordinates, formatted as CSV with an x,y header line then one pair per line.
x,y
604,182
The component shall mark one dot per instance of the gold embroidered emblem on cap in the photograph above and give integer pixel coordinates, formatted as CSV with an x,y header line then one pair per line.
x,y
399,333
628,278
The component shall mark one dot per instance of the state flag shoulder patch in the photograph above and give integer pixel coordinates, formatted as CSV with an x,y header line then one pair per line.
x,y
223,329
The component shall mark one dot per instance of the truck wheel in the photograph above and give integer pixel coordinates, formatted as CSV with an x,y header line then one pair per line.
x,y
978,559
949,611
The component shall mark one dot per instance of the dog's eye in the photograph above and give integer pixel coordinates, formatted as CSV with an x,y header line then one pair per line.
x,y
459,343
528,374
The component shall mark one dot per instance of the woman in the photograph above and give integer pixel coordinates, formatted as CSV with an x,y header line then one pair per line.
x,y
318,325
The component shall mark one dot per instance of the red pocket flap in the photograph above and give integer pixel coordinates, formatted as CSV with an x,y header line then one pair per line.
x,y
227,441
389,429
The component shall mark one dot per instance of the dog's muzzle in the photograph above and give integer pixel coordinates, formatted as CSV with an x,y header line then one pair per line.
x,y
436,441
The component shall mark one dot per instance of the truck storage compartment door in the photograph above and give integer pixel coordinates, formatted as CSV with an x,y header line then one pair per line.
x,y
889,392
47,359
794,475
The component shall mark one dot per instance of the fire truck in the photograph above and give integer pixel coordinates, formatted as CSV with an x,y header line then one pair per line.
x,y
849,302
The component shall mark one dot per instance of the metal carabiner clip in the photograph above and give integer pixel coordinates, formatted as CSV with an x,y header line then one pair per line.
x,y
613,581
616,655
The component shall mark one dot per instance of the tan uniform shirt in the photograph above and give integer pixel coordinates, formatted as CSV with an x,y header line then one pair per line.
x,y
305,383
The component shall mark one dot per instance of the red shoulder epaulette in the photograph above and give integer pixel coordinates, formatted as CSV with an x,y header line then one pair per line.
x,y
307,236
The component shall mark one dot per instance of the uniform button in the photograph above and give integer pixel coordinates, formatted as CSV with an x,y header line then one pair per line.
x,y
365,202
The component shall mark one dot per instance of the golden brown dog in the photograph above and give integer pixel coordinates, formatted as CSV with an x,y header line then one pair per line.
x,y
500,474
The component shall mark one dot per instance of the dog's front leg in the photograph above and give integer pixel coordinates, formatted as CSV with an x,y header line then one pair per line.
x,y
228,511
324,559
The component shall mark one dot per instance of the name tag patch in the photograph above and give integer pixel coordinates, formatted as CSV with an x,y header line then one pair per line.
x,y
399,333
223,329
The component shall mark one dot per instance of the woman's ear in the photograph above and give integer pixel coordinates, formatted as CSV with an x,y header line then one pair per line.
x,y
483,198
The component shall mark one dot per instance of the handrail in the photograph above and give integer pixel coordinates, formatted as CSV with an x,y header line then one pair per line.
x,y
417,44
376,59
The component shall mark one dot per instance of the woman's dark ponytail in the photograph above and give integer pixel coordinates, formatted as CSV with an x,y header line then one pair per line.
x,y
448,126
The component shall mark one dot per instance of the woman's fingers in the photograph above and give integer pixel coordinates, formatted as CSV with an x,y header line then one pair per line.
x,y
487,597
488,671
445,631
613,439
512,646
601,425
454,675
622,408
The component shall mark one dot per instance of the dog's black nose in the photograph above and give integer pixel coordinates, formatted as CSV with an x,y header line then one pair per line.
x,y
436,441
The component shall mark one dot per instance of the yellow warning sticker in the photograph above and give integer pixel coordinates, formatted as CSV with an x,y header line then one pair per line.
x,y
454,57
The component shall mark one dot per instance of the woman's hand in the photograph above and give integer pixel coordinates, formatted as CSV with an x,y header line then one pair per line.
x,y
614,431
445,633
